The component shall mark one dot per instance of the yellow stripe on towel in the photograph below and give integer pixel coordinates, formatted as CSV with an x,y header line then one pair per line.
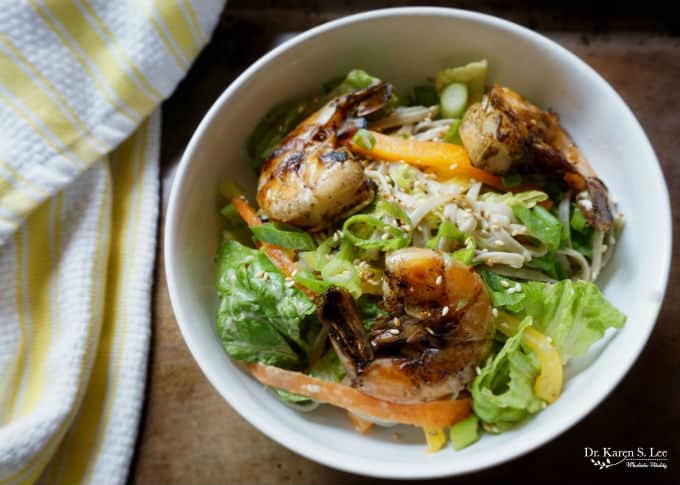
x,y
127,169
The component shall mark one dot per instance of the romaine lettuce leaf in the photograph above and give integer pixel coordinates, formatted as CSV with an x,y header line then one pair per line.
x,y
541,224
502,393
259,316
575,314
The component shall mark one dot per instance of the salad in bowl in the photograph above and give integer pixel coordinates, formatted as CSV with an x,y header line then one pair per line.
x,y
427,258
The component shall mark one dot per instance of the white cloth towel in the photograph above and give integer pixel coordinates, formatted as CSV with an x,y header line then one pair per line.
x,y
81,82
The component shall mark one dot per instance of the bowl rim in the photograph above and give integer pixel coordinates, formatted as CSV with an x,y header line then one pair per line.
x,y
335,459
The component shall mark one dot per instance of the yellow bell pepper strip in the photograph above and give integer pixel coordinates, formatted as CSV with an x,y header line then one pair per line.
x,y
444,159
548,385
435,437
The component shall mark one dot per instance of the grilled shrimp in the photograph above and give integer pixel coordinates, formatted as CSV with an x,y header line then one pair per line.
x,y
505,131
311,179
439,329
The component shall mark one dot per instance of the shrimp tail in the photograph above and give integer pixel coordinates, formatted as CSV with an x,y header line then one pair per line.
x,y
338,312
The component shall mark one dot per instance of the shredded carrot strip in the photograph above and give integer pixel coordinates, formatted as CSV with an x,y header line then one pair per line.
x,y
276,253
428,414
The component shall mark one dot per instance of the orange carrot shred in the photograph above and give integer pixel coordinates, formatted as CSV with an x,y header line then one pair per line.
x,y
276,253
433,413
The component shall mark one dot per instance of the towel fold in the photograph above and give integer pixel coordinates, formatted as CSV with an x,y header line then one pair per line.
x,y
81,82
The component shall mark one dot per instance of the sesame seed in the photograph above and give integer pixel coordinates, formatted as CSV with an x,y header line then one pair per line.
x,y
496,227
438,281
336,237
453,166
259,274
394,331
494,312
478,370
505,284
498,243
397,322
385,236
429,330
445,311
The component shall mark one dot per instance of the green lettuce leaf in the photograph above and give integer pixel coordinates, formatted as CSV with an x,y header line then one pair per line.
x,y
575,314
526,199
328,368
260,316
541,224
502,393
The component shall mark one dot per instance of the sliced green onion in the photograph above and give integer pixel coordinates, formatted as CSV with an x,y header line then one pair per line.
x,y
425,95
578,222
404,175
230,189
360,79
512,180
368,232
284,235
311,281
452,134
364,139
453,100
344,274
464,433
466,255
383,207
448,230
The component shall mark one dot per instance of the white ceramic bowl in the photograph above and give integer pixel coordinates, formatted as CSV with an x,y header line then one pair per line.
x,y
404,46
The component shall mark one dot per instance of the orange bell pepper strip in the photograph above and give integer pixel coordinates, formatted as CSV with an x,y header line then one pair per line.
x,y
428,414
444,159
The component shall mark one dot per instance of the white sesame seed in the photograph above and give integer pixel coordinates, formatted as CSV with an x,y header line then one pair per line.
x,y
445,311
453,166
498,243
505,284
494,312
394,331
385,236
478,370
438,281
429,330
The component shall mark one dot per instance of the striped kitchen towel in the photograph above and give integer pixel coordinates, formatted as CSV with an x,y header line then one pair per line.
x,y
81,82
